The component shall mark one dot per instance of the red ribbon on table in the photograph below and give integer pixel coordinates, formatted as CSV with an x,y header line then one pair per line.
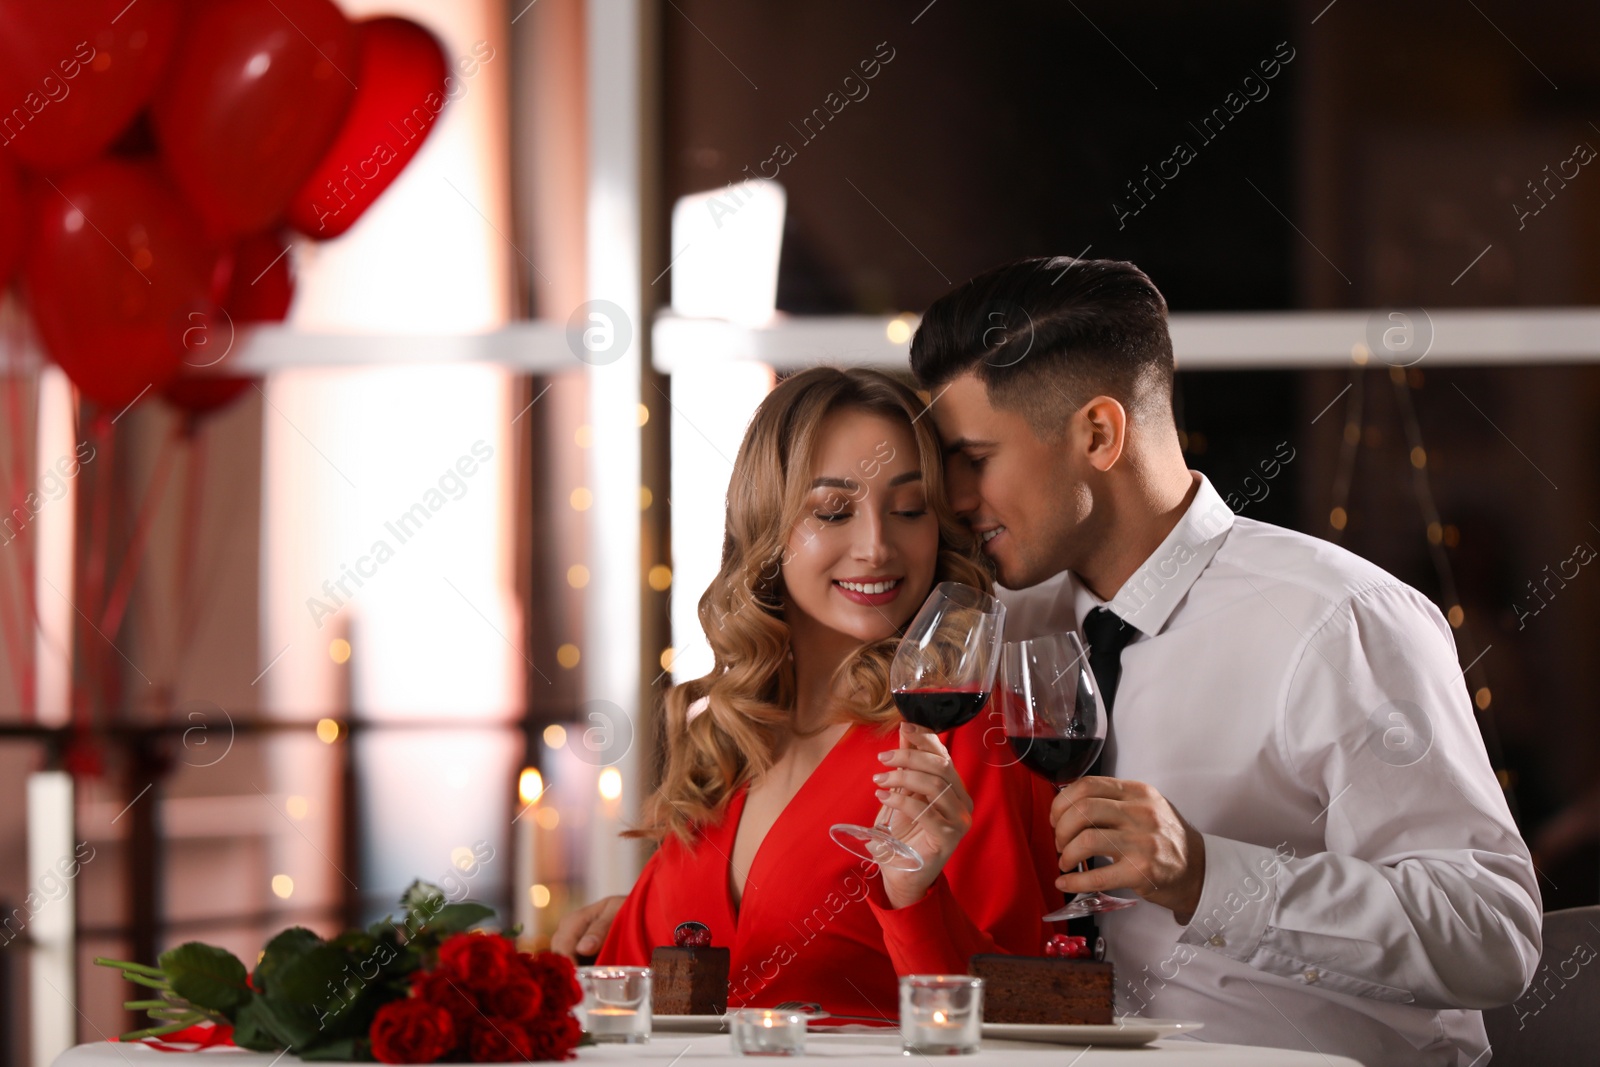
x,y
193,1039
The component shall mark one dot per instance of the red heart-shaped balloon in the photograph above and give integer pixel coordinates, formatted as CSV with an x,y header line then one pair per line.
x,y
116,274
260,289
401,92
254,97
73,75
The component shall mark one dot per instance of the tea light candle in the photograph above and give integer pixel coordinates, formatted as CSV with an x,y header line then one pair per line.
x,y
616,1004
764,1032
941,1013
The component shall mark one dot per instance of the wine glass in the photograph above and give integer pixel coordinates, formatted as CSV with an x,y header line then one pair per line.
x,y
941,677
1056,725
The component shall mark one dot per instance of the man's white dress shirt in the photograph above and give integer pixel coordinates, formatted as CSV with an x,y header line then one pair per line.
x,y
1365,888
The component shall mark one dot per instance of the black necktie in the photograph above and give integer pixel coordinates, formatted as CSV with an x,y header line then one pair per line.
x,y
1107,635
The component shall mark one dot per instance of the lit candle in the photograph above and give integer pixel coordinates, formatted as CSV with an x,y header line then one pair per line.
x,y
764,1032
941,1013
616,1003
530,786
609,1021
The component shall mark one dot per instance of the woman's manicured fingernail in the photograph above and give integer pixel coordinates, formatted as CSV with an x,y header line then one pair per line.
x,y
887,756
883,794
588,945
881,778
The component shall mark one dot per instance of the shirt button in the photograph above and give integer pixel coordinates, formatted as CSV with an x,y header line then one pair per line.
x,y
1311,977
1215,941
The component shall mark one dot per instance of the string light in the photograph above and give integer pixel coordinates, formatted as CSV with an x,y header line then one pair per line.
x,y
1438,534
610,784
530,785
555,735
327,731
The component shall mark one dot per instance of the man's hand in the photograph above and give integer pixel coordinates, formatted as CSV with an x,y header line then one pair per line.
x,y
582,932
1153,851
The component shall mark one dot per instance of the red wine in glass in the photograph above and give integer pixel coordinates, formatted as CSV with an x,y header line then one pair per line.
x,y
940,709
1058,760
941,677
1055,723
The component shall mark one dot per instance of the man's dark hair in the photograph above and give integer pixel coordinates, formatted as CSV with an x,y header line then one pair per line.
x,y
1046,335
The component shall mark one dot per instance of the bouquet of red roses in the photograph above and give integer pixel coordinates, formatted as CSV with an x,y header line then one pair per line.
x,y
484,1003
418,988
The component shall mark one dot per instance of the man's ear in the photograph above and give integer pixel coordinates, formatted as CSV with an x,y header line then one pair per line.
x,y
1107,423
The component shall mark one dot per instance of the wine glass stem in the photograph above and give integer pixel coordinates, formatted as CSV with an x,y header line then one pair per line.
x,y
886,813
1083,865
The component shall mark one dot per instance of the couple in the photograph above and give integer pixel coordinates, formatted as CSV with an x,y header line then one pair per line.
x,y
1344,875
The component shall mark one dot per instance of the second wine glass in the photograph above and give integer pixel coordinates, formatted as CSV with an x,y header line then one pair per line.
x,y
941,677
1055,724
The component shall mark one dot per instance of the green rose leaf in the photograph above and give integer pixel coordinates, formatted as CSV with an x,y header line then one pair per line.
x,y
295,1026
344,1049
314,977
289,945
458,918
252,1030
206,976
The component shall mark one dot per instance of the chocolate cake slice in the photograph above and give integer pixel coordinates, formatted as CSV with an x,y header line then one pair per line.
x,y
1043,989
689,981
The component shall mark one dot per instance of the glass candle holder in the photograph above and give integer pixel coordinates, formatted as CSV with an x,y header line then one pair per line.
x,y
941,1014
616,1004
765,1032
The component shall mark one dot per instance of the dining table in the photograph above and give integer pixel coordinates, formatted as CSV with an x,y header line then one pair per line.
x,y
879,1048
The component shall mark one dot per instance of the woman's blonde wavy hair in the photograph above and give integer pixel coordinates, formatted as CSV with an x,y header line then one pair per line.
x,y
750,691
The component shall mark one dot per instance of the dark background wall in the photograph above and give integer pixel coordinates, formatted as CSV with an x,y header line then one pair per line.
x,y
1387,164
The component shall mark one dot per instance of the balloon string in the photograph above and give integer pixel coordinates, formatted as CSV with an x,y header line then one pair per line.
x,y
30,553
95,660
10,603
188,536
122,588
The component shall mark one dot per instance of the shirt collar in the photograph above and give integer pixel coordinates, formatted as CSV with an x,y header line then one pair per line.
x,y
1152,593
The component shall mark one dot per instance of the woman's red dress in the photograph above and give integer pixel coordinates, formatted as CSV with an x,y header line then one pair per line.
x,y
814,924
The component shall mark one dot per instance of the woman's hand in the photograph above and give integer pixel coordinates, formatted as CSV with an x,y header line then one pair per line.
x,y
582,932
930,808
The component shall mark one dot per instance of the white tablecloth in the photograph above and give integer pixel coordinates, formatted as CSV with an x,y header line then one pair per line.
x,y
840,1050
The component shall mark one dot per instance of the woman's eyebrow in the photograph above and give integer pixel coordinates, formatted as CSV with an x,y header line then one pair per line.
x,y
846,483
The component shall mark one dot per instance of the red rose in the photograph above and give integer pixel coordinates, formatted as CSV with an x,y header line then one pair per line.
x,y
411,1031
557,978
500,1041
519,999
477,961
440,990
554,1039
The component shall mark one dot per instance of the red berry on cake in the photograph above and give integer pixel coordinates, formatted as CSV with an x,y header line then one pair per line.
x,y
1065,946
693,935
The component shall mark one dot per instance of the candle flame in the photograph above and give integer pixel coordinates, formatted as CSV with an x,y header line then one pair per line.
x,y
940,1017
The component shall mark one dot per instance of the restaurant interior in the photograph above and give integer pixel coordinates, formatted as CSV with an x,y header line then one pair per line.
x,y
390,577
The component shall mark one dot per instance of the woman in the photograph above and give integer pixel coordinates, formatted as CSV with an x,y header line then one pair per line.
x,y
837,529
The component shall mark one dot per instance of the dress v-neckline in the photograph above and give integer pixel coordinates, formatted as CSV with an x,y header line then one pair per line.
x,y
737,908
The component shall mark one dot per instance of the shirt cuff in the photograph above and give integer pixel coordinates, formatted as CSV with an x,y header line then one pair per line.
x,y
1238,898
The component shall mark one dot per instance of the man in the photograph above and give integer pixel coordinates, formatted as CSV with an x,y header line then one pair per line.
x,y
1344,875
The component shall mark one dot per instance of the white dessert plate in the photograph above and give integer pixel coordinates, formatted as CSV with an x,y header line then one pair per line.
x,y
1128,1031
689,1024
